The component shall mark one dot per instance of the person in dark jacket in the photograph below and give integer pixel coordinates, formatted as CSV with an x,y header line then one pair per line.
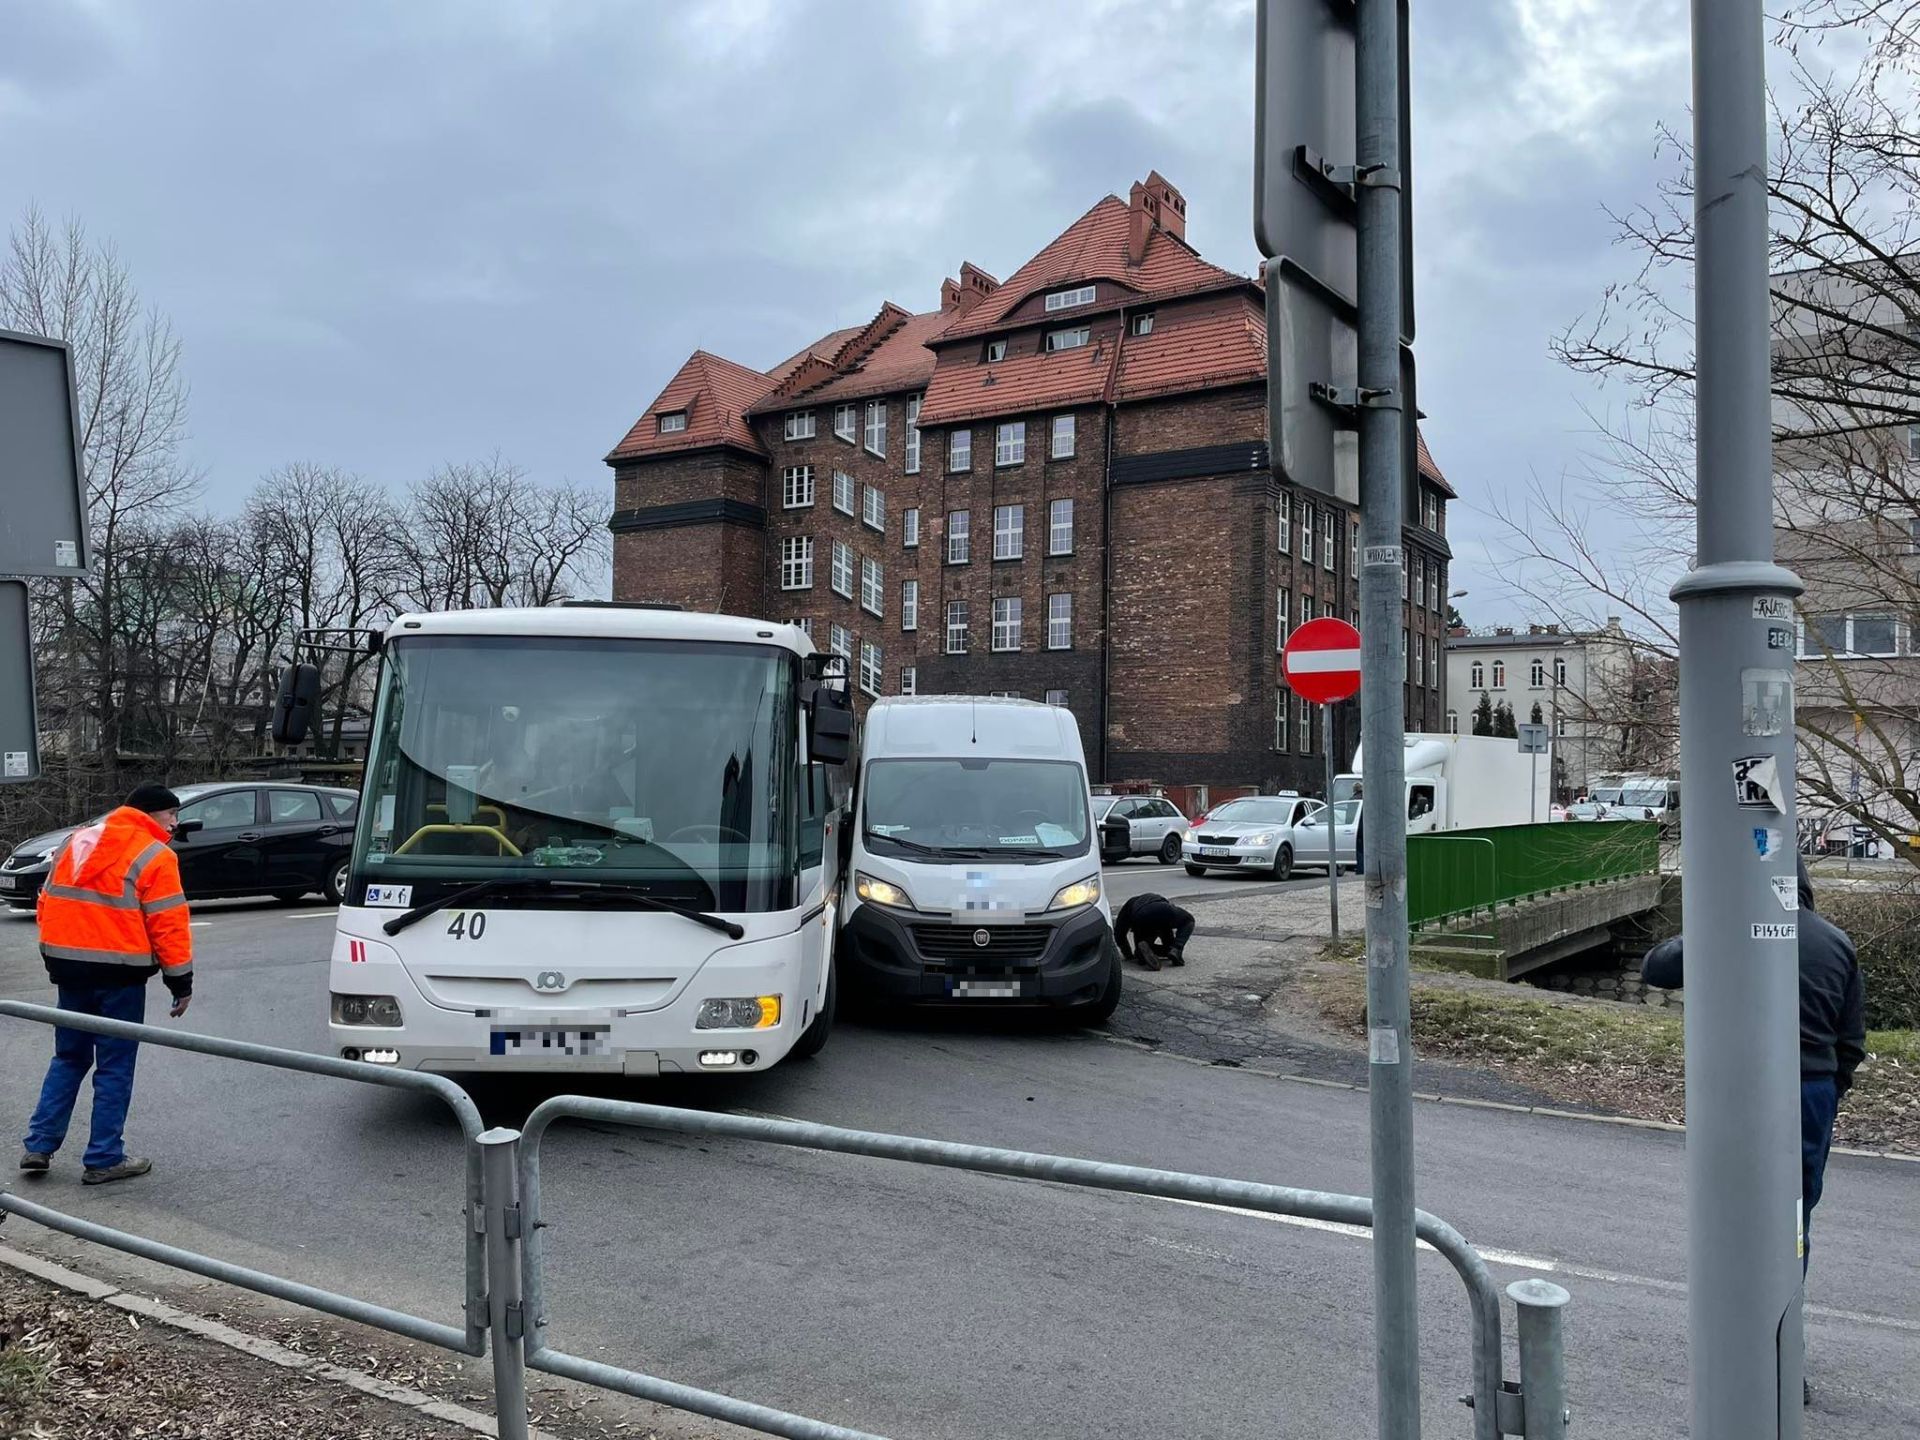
x,y
1833,1033
1151,926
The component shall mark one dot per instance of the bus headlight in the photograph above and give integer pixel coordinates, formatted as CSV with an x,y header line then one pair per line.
x,y
1081,892
882,892
377,1010
759,1012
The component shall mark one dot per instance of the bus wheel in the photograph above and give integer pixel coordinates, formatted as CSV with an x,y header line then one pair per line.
x,y
814,1038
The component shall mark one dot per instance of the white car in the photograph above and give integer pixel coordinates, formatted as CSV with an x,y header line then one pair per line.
x,y
1154,826
1310,835
1256,832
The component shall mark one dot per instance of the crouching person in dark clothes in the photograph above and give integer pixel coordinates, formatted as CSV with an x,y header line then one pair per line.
x,y
1150,928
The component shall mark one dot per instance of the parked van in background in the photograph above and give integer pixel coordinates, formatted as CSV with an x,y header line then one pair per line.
x,y
975,868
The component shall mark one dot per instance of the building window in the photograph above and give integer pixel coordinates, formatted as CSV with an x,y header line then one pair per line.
x,y
872,587
1559,724
1283,522
844,421
796,563
956,627
799,425
1499,674
1067,299
1306,532
796,489
870,668
840,641
1419,661
909,604
1283,608
996,350
805,623
1060,527
909,680
1280,702
873,509
1434,586
1560,670
1328,520
1537,673
1353,549
1419,578
913,434
673,422
1060,621
1406,660
1010,443
877,427
1453,722
960,450
1306,726
1061,447
1306,608
1009,531
1057,697
842,577
1433,662
1477,676
1406,573
910,527
958,527
1143,323
1431,506
1070,339
1006,622
1846,634
843,492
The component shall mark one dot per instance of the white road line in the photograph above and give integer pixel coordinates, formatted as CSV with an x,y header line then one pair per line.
x,y
313,915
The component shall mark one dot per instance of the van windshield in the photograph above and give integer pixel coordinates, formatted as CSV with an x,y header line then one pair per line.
x,y
976,809
1653,797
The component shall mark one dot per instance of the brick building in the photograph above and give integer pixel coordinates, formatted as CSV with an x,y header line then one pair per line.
x,y
1055,486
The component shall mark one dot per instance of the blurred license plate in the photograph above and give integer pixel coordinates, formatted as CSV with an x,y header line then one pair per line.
x,y
987,989
9,882
541,1040
1218,851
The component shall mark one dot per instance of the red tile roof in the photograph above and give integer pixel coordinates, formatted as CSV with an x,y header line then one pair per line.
x,y
1018,384
716,394
898,360
1431,471
1229,348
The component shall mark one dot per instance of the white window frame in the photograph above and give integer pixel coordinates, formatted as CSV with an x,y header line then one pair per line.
x,y
873,586
1433,661
1072,337
1560,671
913,434
1010,443
799,425
1070,299
1283,526
1307,608
959,536
871,667
846,423
843,493
1560,724
876,431
671,422
1282,700
909,604
1419,661
796,488
805,622
1060,620
1477,675
1009,532
1143,323
1499,674
1063,428
996,350
1306,726
796,563
1061,702
873,508
959,450
957,627
1406,660
1453,722
1283,617
1007,624
1536,674
1305,528
1327,517
910,528
840,642
1060,527
840,576
909,680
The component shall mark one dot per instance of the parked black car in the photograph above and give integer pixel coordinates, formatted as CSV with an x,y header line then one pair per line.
x,y
234,839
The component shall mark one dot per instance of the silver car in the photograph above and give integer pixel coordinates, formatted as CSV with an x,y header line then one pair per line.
x,y
1310,835
1254,833
1154,826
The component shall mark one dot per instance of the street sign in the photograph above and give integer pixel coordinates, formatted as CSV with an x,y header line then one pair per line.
x,y
19,730
1322,661
43,508
1533,739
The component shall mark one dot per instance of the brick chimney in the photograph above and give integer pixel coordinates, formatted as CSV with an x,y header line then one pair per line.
x,y
1153,204
973,286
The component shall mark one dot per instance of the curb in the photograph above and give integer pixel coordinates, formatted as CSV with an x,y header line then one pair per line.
x,y
1630,1122
256,1346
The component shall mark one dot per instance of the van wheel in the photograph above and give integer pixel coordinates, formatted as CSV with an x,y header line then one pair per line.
x,y
1283,862
814,1038
1197,871
1101,1010
1170,850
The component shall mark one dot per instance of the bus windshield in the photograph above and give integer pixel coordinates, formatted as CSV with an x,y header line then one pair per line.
x,y
969,809
663,765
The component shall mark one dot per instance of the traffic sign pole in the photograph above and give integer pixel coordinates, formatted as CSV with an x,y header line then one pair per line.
x,y
1321,661
1333,855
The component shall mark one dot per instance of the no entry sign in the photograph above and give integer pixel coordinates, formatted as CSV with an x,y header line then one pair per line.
x,y
1322,661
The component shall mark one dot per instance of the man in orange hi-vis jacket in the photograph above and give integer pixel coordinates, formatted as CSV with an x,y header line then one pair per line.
x,y
112,914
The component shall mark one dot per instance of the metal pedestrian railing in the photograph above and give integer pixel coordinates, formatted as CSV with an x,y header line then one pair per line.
x,y
1507,864
506,1243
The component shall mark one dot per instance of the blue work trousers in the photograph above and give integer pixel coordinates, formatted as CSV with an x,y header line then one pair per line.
x,y
74,1053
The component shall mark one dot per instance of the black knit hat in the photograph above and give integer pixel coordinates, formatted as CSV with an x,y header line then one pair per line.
x,y
152,799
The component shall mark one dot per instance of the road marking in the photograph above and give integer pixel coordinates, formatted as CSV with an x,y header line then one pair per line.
x,y
314,915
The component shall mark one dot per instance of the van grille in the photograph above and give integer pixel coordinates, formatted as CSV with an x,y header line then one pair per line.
x,y
1004,943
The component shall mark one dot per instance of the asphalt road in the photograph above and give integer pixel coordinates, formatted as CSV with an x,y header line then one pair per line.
x,y
1132,877
934,1304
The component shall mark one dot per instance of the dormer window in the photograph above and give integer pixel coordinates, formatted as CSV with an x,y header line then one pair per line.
x,y
1070,339
1143,323
1067,299
673,422
996,350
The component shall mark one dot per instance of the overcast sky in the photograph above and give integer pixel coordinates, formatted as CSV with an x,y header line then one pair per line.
x,y
396,234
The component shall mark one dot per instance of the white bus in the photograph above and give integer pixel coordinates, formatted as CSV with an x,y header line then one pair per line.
x,y
593,839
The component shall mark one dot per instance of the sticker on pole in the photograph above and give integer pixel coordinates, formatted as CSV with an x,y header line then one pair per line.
x,y
1767,842
1756,783
1786,889
1322,661
1772,607
1776,932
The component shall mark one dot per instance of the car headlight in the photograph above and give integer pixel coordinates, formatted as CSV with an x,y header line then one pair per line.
x,y
1081,892
882,892
1265,837
757,1012
378,1010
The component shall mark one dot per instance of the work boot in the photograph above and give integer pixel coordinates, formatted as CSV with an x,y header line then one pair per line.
x,y
34,1163
1148,958
1178,957
128,1169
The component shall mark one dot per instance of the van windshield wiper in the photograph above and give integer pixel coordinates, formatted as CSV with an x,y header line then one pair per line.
x,y
637,894
913,845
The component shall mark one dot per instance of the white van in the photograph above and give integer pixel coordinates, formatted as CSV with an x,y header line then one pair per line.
x,y
974,863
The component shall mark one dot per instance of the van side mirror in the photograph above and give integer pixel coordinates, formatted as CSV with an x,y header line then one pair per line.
x,y
294,706
830,736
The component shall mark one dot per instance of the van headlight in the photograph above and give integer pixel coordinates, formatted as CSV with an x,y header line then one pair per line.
x,y
882,892
1072,897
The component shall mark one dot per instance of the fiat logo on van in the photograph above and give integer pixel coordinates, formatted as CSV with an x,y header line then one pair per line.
x,y
982,939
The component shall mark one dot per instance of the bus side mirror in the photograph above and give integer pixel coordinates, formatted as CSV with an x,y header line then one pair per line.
x,y
294,706
830,737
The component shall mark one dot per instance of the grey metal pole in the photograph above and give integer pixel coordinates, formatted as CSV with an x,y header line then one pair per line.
x,y
1383,718
1540,1306
500,1156
1737,855
1533,789
1333,858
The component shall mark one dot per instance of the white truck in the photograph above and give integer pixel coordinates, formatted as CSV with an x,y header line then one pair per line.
x,y
1464,782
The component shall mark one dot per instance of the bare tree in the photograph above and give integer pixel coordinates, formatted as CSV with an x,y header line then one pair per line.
x,y
482,533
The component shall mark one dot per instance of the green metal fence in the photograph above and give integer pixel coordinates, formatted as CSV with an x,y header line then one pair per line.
x,y
1467,872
